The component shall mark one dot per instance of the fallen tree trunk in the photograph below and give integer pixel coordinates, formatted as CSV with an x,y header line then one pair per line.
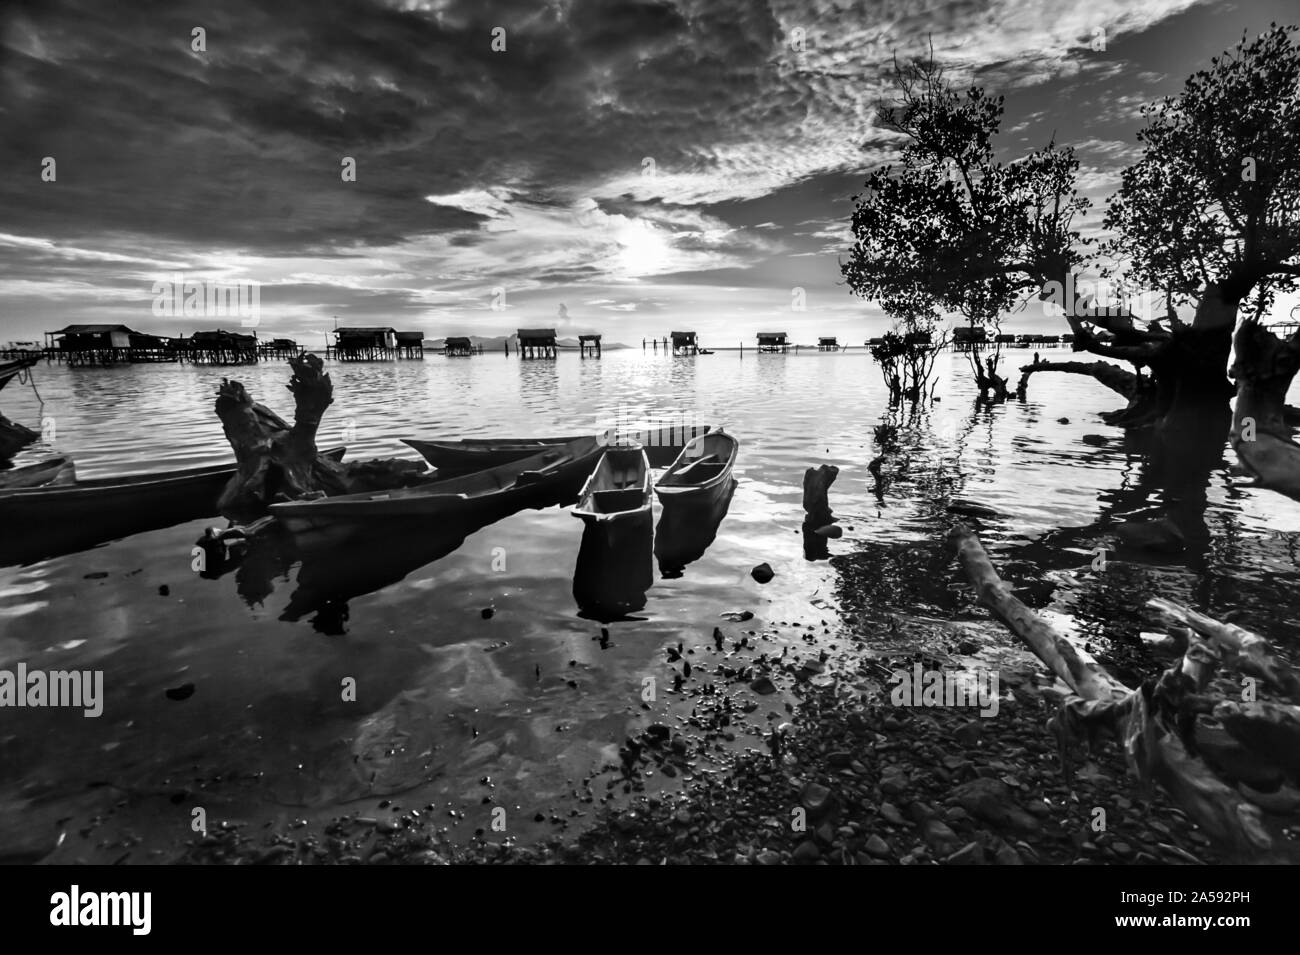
x,y
1124,383
1155,722
279,462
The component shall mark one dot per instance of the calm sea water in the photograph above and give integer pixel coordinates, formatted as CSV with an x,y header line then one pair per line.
x,y
529,698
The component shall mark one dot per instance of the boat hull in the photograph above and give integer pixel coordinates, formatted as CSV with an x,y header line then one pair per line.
x,y
468,455
50,520
676,485
551,477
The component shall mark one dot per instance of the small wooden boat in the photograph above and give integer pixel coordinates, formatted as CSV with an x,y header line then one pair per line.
x,y
478,454
551,476
89,503
702,472
618,490
58,471
467,455
10,369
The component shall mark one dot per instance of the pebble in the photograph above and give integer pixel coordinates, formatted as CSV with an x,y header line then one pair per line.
x,y
1008,856
895,784
891,814
969,734
807,852
769,858
816,798
878,847
970,854
762,573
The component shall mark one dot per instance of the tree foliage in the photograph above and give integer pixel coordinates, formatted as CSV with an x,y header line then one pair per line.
x,y
1215,197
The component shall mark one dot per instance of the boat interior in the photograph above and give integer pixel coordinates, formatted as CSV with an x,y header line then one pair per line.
x,y
619,483
697,472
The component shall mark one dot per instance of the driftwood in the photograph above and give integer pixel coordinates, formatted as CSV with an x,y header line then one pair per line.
x,y
277,461
1157,722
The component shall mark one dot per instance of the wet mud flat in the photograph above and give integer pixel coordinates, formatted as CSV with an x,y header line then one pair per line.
x,y
773,758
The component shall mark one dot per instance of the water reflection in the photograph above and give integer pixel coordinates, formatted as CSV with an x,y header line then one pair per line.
x,y
686,530
615,569
367,562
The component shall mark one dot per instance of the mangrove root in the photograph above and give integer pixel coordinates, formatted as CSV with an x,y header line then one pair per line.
x,y
1159,723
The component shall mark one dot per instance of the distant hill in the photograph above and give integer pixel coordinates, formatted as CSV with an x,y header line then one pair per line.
x,y
495,343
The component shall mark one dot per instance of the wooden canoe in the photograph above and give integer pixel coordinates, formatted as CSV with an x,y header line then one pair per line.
x,y
617,490
702,472
192,492
10,369
467,455
550,476
471,454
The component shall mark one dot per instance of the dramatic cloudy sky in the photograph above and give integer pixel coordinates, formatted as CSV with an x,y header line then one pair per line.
x,y
624,167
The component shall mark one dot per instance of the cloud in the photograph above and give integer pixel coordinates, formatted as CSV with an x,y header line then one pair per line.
x,y
524,169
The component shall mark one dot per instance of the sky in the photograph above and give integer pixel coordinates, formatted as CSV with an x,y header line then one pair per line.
x,y
627,168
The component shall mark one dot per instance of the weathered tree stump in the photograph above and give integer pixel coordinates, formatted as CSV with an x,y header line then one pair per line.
x,y
278,462
816,484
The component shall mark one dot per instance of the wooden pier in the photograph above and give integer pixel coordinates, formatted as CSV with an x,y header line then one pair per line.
x,y
87,345
279,349
460,347
374,344
410,344
220,347
536,342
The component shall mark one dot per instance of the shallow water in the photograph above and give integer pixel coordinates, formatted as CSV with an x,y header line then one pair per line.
x,y
446,698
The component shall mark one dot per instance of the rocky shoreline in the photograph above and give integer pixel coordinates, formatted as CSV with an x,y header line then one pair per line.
x,y
839,776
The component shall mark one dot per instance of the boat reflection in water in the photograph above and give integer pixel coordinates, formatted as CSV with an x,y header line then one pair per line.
x,y
615,569
686,529
334,571
368,561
